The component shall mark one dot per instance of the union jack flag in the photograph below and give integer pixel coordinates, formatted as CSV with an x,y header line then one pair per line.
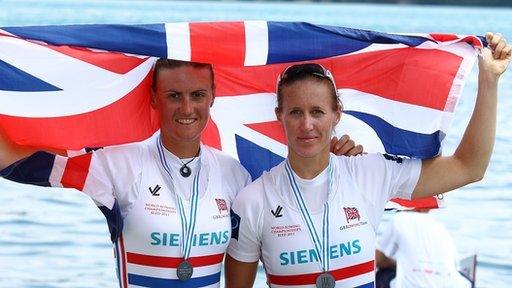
x,y
351,213
78,86
221,204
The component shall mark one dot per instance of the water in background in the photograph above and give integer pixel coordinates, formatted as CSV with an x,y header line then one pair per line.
x,y
58,238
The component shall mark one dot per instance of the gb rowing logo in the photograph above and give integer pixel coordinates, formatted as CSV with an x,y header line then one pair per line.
x,y
351,213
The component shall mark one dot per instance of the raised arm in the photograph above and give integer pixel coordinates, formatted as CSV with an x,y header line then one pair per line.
x,y
345,146
471,158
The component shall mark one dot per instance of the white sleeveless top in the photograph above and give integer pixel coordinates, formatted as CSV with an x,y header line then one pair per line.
x,y
271,228
131,188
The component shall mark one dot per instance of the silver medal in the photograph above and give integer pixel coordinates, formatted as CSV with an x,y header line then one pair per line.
x,y
325,280
185,271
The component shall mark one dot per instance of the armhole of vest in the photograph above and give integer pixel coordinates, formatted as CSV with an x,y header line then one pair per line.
x,y
144,151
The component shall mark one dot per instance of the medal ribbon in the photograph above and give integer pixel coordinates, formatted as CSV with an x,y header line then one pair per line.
x,y
187,227
320,245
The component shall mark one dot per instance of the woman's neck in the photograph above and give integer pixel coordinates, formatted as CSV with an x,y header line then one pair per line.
x,y
308,167
181,149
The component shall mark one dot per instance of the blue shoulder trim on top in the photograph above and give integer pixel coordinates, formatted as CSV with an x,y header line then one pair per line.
x,y
114,220
235,224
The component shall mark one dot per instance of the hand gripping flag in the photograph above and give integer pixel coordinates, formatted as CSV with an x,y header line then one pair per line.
x,y
77,86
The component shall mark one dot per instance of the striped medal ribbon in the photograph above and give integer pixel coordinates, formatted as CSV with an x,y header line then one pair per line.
x,y
325,279
185,269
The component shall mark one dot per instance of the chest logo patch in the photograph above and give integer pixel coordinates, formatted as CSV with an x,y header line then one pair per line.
x,y
278,211
154,191
351,213
221,205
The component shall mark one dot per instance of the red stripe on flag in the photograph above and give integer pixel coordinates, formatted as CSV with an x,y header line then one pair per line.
x,y
76,171
422,203
470,39
272,129
173,262
473,40
338,274
443,37
219,42
111,61
127,120
416,76
236,81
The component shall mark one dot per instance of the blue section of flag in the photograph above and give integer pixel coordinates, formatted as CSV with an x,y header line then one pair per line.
x,y
35,169
368,285
306,41
148,39
14,79
402,142
484,40
146,281
254,158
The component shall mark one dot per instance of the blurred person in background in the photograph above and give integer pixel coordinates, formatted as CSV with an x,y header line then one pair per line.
x,y
420,250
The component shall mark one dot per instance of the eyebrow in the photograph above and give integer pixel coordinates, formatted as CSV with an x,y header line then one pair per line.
x,y
300,108
180,92
171,91
200,90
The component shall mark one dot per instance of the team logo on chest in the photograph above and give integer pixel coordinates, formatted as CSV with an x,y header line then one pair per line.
x,y
222,206
156,206
278,212
351,213
353,218
154,190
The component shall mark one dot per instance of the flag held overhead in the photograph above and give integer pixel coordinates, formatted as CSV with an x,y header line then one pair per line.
x,y
76,86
